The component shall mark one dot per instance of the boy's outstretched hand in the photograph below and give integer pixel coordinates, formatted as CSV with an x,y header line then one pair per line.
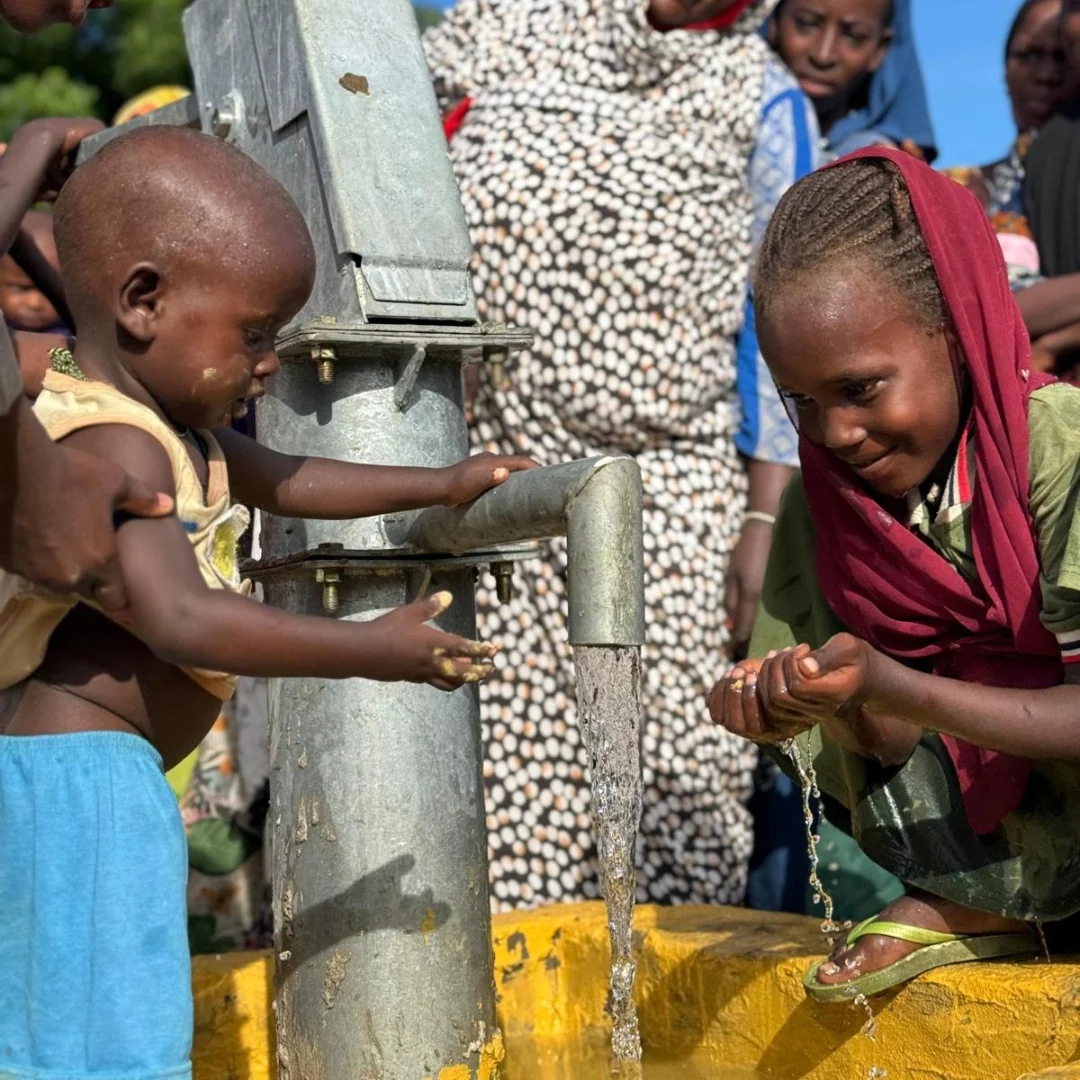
x,y
417,652
470,478
789,692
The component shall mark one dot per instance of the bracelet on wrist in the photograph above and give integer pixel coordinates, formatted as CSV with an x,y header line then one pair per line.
x,y
760,515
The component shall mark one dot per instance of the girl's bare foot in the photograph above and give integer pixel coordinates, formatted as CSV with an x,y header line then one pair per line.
x,y
928,912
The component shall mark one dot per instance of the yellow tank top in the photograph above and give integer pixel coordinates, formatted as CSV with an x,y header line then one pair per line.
x,y
29,614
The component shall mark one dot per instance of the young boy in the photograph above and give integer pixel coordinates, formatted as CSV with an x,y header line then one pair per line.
x,y
856,61
182,261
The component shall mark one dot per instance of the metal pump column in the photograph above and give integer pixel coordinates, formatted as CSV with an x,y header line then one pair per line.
x,y
382,923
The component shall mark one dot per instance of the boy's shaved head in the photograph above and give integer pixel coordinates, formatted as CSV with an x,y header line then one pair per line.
x,y
177,199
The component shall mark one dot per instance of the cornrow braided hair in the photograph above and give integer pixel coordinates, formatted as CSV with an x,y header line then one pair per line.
x,y
858,210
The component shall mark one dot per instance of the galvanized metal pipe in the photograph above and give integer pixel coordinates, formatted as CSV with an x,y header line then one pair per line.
x,y
381,907
596,504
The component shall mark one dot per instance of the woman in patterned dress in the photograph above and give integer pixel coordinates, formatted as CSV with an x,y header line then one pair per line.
x,y
604,150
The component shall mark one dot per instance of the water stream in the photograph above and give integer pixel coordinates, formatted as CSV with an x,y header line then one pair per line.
x,y
804,768
609,708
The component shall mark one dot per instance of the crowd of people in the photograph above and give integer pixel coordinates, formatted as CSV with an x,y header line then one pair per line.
x,y
845,377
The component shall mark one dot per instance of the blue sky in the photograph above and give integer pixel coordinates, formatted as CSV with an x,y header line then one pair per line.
x,y
961,45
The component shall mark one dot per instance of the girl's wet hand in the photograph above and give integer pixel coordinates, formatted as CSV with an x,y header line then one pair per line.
x,y
736,703
801,682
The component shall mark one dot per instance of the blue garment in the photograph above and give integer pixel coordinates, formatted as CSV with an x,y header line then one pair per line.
x,y
95,975
895,105
785,151
780,864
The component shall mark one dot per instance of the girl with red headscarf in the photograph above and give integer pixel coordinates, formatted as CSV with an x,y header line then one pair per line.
x,y
922,607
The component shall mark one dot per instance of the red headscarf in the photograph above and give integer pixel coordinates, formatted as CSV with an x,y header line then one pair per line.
x,y
725,20
890,587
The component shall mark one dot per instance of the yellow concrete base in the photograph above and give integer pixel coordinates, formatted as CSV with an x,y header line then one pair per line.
x,y
720,996
234,1027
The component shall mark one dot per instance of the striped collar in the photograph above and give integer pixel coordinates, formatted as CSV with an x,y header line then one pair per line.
x,y
956,497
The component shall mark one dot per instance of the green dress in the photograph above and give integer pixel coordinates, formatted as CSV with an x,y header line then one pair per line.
x,y
910,819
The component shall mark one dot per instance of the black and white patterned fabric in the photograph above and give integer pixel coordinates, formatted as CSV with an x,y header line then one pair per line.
x,y
603,168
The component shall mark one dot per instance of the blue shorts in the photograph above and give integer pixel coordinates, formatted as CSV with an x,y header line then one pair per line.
x,y
95,973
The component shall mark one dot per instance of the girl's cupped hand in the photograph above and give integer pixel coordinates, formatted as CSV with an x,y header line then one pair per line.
x,y
788,692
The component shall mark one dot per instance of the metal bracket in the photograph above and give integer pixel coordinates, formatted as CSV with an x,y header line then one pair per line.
x,y
297,343
408,377
182,113
351,564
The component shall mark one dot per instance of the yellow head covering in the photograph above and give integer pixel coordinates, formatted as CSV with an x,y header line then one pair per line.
x,y
148,101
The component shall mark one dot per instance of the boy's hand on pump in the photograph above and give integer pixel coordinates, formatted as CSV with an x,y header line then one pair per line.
x,y
418,652
48,144
470,478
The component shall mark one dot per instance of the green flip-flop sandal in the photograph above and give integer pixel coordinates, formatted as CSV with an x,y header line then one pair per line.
x,y
938,950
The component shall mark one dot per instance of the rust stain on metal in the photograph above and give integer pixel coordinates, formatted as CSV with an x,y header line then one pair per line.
x,y
321,820
309,1062
298,1058
355,84
327,831
301,822
337,967
429,922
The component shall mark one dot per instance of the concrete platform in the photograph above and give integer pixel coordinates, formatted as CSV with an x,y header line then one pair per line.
x,y
720,996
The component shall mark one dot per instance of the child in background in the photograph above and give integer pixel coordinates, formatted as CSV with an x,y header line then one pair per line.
x,y
921,620
856,60
24,305
33,322
182,260
32,167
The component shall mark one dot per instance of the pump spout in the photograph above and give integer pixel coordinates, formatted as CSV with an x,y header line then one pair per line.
x,y
596,505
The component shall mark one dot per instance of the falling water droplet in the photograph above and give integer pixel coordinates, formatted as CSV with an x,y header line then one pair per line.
x,y
1042,940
